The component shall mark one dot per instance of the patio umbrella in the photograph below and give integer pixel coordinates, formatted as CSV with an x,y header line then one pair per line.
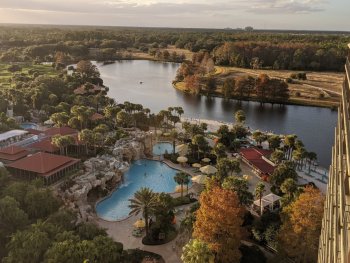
x,y
166,134
182,149
196,165
246,177
159,132
182,159
206,160
199,179
140,223
208,169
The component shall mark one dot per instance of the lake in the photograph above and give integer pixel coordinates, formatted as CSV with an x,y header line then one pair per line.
x,y
313,125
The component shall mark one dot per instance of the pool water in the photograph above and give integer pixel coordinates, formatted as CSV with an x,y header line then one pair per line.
x,y
162,147
142,173
29,125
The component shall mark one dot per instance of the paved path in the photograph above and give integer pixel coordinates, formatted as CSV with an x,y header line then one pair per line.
x,y
122,232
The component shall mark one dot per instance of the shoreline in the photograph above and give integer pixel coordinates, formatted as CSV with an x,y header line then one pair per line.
x,y
330,105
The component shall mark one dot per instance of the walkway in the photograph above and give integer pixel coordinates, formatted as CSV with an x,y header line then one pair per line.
x,y
122,232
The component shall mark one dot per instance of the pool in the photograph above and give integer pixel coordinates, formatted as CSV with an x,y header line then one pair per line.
x,y
142,173
29,125
162,147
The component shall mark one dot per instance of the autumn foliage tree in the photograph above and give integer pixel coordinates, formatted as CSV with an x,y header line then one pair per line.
x,y
301,226
218,223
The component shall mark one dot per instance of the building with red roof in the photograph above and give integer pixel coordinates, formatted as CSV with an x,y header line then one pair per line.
x,y
60,131
44,145
96,116
258,160
12,153
47,166
92,89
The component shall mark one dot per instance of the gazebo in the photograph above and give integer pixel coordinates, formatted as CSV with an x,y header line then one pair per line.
x,y
270,201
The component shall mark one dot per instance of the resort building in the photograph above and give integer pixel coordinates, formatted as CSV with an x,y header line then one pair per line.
x,y
10,137
60,131
334,246
47,166
12,153
44,145
258,160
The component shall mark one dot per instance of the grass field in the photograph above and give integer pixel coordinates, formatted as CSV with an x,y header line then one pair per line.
x,y
5,75
301,91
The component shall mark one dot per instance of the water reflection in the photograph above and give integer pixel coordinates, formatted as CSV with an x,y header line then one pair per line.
x,y
315,126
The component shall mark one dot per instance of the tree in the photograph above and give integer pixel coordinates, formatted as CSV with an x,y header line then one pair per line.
x,y
277,156
39,203
289,142
301,226
274,142
27,245
12,217
218,223
220,151
259,192
196,251
60,118
173,135
87,137
259,137
201,143
144,201
226,167
181,178
240,187
282,172
288,187
240,116
228,88
87,70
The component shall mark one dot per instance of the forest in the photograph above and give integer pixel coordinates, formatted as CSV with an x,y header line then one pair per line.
x,y
257,49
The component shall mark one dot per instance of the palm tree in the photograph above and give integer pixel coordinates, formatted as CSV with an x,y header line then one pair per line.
x,y
173,135
87,137
145,202
181,178
259,192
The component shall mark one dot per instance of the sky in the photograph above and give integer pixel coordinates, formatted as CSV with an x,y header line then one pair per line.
x,y
261,14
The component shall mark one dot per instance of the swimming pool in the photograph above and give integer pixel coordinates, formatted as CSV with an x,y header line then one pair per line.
x,y
162,147
29,125
142,173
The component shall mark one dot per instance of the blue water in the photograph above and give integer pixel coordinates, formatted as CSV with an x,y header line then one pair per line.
x,y
159,177
29,125
162,147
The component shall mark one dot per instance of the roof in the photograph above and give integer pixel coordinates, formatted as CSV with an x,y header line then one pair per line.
x,y
13,153
9,134
81,89
45,146
255,158
33,131
44,164
60,131
96,116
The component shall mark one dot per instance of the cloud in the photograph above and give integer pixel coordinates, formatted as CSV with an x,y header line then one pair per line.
x,y
286,6
161,8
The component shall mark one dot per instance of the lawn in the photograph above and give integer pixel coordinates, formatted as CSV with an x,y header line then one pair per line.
x,y
5,75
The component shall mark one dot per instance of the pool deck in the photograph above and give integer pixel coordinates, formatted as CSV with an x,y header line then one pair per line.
x,y
121,231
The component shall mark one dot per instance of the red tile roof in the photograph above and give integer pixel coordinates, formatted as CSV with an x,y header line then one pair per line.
x,y
45,146
96,116
60,131
35,132
81,90
13,153
254,157
44,164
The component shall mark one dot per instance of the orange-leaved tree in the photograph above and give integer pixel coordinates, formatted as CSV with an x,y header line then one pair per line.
x,y
301,226
218,223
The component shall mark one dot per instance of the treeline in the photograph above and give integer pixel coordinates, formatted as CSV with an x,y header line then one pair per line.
x,y
275,50
269,55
